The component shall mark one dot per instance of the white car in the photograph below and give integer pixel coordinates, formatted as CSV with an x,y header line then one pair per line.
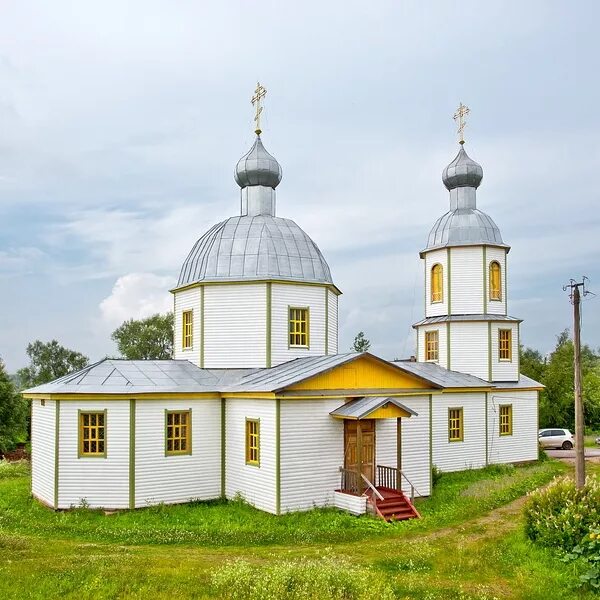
x,y
556,438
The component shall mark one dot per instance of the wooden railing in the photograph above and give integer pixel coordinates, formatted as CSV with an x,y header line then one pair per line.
x,y
391,477
349,481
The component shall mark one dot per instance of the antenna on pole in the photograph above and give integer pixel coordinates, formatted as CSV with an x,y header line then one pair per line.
x,y
575,296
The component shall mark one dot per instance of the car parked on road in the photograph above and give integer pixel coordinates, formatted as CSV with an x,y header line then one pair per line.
x,y
556,438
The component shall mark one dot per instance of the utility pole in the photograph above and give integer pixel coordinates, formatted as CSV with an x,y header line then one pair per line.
x,y
575,296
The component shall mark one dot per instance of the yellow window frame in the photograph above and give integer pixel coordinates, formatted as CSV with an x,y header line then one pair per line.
x,y
253,442
432,345
505,419
455,424
505,345
92,434
495,281
298,327
187,329
178,432
437,283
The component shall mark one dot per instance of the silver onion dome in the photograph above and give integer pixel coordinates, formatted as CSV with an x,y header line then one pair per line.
x,y
463,171
464,224
255,248
258,167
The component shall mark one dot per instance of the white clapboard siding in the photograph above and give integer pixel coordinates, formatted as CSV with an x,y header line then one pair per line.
x,y
235,327
42,450
466,280
332,341
355,505
97,482
415,446
522,445
177,478
470,453
497,254
469,348
256,484
188,300
441,328
312,451
505,370
436,309
284,296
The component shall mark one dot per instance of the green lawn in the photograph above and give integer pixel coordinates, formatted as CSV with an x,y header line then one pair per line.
x,y
469,544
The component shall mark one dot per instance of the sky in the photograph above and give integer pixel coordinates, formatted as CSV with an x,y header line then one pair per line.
x,y
121,122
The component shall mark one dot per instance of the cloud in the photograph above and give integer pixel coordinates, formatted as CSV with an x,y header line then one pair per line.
x,y
137,296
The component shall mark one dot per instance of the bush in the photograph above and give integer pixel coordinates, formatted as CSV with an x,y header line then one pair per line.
x,y
330,577
561,515
589,551
436,475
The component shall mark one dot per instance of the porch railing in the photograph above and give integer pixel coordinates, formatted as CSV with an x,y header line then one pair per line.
x,y
349,481
391,477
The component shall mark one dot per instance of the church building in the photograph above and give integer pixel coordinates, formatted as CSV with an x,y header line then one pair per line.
x,y
258,402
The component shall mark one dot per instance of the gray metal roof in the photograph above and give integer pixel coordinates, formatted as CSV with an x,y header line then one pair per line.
x,y
467,318
361,408
442,377
255,247
464,224
258,167
524,382
141,376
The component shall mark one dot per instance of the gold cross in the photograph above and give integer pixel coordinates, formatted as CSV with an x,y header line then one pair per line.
x,y
259,93
459,117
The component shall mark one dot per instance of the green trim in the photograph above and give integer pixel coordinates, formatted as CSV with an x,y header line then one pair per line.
x,y
505,296
269,324
448,345
486,430
417,356
398,449
202,327
425,276
188,451
510,420
278,456
56,456
485,278
462,425
196,284
449,260
326,321
183,313
223,448
257,462
132,454
307,309
518,349
489,351
79,426
430,442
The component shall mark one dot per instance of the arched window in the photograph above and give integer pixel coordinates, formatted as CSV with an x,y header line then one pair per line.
x,y
495,281
437,283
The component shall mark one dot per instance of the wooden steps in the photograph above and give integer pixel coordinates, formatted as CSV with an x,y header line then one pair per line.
x,y
395,506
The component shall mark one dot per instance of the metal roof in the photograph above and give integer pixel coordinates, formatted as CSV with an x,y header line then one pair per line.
x,y
442,377
255,247
463,171
467,318
524,382
114,376
258,167
361,408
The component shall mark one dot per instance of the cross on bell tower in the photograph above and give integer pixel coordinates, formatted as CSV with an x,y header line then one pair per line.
x,y
259,93
459,117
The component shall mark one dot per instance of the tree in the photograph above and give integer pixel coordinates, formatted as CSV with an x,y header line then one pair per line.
x,y
48,361
361,343
13,413
149,339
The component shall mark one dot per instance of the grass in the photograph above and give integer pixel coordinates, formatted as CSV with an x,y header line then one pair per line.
x,y
459,549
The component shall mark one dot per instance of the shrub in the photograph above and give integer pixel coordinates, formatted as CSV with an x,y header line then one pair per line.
x,y
561,515
330,577
589,551
436,475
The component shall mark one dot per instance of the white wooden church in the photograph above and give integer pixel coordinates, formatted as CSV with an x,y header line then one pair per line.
x,y
258,402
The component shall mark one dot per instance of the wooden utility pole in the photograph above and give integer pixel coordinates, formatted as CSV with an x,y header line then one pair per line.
x,y
579,423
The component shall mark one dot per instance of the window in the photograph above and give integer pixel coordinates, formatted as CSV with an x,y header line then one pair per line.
x,y
431,345
298,327
252,442
506,419
437,283
92,434
495,281
178,432
505,344
455,424
188,330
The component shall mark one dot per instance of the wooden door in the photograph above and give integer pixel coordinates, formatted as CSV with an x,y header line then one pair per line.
x,y
367,435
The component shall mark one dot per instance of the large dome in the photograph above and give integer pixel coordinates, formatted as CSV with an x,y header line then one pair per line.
x,y
255,248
